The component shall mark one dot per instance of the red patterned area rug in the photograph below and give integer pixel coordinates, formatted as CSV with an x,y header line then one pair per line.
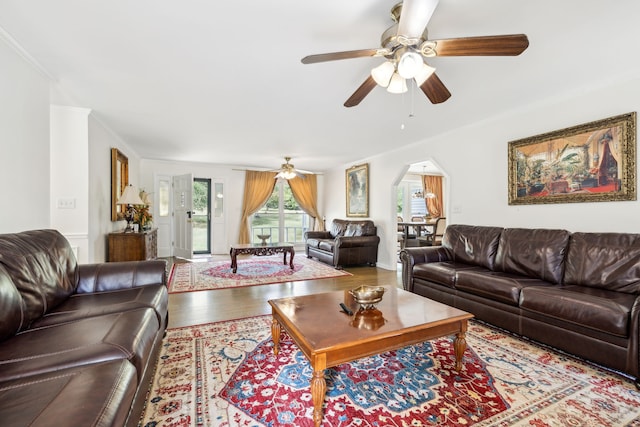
x,y
201,276
225,374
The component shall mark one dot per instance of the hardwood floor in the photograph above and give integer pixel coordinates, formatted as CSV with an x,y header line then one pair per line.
x,y
193,308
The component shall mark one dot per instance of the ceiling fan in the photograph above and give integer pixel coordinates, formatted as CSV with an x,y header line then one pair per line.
x,y
288,171
405,46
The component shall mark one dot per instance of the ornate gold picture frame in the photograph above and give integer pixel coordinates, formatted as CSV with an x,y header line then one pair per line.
x,y
119,181
593,162
357,182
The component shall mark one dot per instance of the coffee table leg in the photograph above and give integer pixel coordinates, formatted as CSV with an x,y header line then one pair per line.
x,y
318,390
459,345
234,261
293,252
275,336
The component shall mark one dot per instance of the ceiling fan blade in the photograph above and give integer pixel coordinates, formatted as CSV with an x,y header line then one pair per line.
x,y
414,17
364,89
507,45
334,56
435,90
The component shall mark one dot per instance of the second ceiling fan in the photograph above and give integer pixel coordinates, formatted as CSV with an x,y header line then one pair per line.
x,y
405,46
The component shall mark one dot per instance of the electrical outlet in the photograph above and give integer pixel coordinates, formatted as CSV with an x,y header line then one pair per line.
x,y
66,203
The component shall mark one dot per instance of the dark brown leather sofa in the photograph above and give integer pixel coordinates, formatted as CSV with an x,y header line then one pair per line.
x,y
346,243
78,343
577,292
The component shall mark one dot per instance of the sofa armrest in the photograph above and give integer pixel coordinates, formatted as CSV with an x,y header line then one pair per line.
x,y
356,241
317,235
110,276
421,255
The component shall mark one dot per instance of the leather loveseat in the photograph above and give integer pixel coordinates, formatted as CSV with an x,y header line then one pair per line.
x,y
577,292
78,343
346,243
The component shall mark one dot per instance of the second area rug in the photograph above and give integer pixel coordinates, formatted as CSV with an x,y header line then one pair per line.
x,y
226,375
200,276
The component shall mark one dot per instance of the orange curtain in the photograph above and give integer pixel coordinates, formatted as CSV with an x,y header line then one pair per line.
x,y
433,184
258,186
305,191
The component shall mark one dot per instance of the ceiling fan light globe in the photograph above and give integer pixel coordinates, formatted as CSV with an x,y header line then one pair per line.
x,y
397,85
410,64
382,73
286,174
424,73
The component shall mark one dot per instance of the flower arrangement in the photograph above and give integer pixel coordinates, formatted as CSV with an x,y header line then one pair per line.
x,y
143,215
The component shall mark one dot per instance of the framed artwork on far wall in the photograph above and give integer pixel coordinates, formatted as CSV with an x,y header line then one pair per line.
x,y
357,182
592,162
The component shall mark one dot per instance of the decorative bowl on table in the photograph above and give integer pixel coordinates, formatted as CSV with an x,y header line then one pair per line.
x,y
264,238
367,296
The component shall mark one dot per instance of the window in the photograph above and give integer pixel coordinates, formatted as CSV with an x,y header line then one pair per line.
x,y
411,200
280,217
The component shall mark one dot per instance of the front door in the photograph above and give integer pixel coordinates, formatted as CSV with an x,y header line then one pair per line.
x,y
182,212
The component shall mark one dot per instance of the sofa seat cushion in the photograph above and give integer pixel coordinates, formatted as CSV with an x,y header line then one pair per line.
x,y
443,273
495,285
91,395
326,245
81,306
598,309
313,242
120,336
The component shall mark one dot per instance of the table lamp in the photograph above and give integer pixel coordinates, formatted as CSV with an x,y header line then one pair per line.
x,y
130,197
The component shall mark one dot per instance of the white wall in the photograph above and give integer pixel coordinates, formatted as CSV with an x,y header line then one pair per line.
x,y
475,160
24,139
69,177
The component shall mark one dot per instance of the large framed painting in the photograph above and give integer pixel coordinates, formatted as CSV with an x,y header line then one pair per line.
x,y
357,180
593,162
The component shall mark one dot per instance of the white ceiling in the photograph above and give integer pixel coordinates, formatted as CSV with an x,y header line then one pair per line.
x,y
221,81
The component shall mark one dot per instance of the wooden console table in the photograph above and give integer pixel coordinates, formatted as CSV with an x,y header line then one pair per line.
x,y
133,246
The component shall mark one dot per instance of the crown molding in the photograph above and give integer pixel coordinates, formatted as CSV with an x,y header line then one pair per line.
x,y
13,43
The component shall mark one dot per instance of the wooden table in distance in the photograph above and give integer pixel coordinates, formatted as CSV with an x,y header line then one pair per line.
x,y
329,337
260,250
418,226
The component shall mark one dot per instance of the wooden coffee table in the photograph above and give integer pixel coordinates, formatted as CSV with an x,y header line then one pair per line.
x,y
261,249
329,337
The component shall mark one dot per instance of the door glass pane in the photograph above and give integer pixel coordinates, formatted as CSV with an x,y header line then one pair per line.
x,y
200,216
164,188
218,202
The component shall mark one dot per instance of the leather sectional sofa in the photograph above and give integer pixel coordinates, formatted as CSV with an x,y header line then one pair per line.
x,y
78,343
577,292
346,243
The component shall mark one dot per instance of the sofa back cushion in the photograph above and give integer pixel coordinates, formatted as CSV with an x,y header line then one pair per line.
x,y
604,260
11,306
538,253
472,244
342,227
42,267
